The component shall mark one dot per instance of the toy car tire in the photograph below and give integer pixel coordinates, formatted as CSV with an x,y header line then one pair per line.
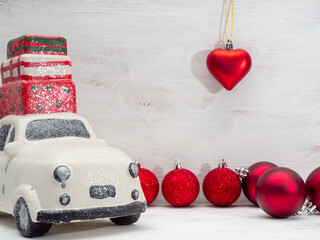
x,y
26,227
126,220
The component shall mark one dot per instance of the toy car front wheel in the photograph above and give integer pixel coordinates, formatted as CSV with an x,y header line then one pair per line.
x,y
26,227
126,220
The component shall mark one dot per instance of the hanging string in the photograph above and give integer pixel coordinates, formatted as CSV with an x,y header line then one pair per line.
x,y
226,19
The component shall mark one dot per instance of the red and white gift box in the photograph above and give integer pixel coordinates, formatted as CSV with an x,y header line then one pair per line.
x,y
37,77
36,67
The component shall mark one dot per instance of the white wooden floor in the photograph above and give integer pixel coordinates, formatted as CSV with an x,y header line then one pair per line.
x,y
195,222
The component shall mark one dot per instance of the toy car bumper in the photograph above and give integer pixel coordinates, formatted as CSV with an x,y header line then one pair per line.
x,y
58,216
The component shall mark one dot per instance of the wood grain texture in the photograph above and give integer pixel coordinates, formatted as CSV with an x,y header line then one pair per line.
x,y
141,78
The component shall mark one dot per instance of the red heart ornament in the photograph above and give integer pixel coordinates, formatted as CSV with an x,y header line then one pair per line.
x,y
229,66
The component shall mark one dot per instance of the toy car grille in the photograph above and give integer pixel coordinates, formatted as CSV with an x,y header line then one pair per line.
x,y
101,192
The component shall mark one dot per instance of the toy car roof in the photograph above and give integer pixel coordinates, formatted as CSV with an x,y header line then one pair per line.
x,y
23,120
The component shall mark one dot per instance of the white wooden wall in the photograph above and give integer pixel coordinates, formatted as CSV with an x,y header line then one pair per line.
x,y
139,67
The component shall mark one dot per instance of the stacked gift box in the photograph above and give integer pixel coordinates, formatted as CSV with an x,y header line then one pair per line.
x,y
36,77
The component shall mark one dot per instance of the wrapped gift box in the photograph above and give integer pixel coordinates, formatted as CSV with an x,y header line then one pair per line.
x,y
36,67
37,97
37,44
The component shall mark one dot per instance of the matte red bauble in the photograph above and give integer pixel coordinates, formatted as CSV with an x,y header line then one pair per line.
x,y
229,66
149,184
254,173
313,188
280,192
180,187
222,186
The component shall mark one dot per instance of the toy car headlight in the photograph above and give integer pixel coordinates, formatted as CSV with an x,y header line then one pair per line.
x,y
61,174
133,170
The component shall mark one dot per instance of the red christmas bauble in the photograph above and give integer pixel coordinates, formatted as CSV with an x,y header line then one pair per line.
x,y
250,181
221,186
180,187
229,66
313,187
149,184
280,192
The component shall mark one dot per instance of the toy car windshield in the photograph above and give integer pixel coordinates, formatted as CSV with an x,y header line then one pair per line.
x,y
55,128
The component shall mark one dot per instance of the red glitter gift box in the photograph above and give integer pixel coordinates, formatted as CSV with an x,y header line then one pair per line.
x,y
37,97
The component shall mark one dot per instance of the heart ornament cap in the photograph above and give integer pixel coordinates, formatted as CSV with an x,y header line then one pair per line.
x,y
229,66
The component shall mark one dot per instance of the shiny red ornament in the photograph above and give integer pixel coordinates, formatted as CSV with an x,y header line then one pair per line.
x,y
149,184
229,66
254,173
221,186
280,192
180,187
313,187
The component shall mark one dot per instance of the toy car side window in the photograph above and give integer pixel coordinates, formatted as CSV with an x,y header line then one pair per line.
x,y
12,134
4,130
55,128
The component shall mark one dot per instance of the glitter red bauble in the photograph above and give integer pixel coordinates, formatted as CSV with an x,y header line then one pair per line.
x,y
149,184
250,181
221,186
180,187
229,66
313,187
280,192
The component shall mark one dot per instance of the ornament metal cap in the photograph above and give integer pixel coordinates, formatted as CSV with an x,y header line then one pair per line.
x,y
222,164
310,208
177,164
229,45
137,162
242,172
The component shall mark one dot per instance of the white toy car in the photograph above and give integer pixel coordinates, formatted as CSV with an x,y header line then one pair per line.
x,y
53,169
